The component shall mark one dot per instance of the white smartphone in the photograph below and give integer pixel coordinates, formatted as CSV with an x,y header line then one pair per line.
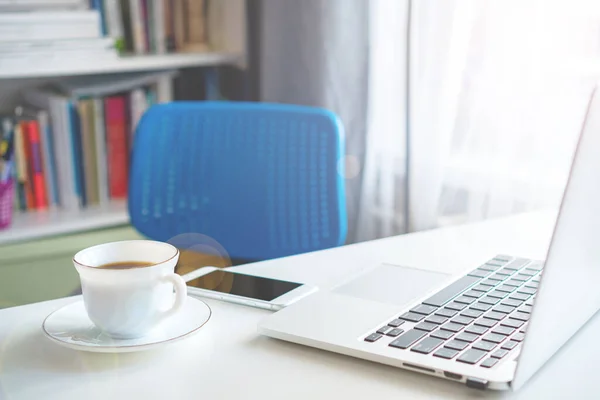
x,y
250,290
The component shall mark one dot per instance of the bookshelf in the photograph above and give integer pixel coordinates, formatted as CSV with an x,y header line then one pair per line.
x,y
122,64
226,30
36,225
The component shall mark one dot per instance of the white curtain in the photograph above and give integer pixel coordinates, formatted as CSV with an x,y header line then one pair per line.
x,y
478,103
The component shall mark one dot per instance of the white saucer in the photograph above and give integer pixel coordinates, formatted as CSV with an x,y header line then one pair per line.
x,y
70,326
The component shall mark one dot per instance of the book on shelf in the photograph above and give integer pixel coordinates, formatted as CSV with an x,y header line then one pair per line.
x,y
73,139
160,26
51,32
116,140
49,25
62,30
28,5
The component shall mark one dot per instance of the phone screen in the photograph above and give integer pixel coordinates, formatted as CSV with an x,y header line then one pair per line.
x,y
253,287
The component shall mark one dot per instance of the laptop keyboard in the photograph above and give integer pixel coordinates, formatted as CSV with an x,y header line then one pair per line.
x,y
478,320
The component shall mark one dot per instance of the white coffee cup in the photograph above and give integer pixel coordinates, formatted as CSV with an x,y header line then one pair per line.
x,y
129,303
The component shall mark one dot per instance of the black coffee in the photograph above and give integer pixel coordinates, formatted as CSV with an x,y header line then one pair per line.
x,y
126,265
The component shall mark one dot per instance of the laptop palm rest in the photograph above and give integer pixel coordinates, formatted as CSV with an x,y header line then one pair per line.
x,y
392,284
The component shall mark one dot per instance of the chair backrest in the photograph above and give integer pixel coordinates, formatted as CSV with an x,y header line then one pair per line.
x,y
263,180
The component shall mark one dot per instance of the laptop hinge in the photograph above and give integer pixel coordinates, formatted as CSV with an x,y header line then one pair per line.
x,y
477,383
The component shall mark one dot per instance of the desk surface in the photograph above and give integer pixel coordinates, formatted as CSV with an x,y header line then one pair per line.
x,y
228,360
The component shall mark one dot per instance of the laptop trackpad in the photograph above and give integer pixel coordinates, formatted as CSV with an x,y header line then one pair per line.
x,y
392,284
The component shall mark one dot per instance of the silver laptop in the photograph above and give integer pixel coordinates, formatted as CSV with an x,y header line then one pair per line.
x,y
490,329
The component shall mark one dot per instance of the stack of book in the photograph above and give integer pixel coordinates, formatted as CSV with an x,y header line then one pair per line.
x,y
155,26
55,31
51,31
72,139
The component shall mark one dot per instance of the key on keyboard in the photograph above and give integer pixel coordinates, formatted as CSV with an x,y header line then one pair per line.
x,y
488,323
480,273
446,353
489,363
506,288
482,288
465,299
384,329
373,337
490,267
456,306
499,353
423,309
503,330
462,320
452,327
485,346
467,337
510,345
498,294
471,313
495,315
444,335
489,300
451,291
503,309
407,339
436,319
481,306
471,356
519,296
395,323
426,326
395,332
473,293
412,317
494,338
446,312
427,345
456,345
525,309
520,316
476,329
526,290
511,302
513,283
513,323
517,263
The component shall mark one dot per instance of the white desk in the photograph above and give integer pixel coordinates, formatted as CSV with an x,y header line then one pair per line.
x,y
228,360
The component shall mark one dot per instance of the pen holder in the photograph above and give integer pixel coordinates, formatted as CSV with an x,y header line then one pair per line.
x,y
6,203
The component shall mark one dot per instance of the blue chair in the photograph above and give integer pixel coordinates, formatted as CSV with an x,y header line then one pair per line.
x,y
260,179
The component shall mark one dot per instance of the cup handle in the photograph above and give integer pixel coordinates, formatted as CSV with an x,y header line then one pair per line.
x,y
180,295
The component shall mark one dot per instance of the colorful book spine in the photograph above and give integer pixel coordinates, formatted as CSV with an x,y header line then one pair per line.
x,y
36,166
138,106
196,25
137,26
148,25
128,41
20,166
179,24
77,153
88,144
115,109
158,22
27,160
101,155
114,23
49,161
97,5
169,23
